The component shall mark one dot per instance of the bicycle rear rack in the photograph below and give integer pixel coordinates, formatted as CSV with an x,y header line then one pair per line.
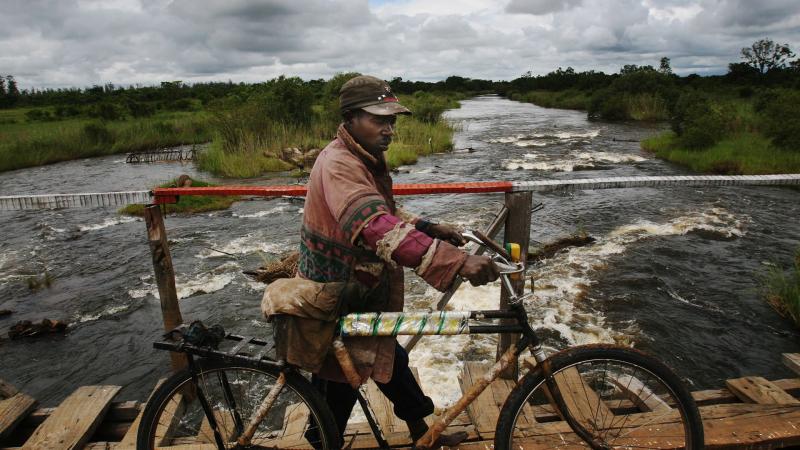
x,y
240,351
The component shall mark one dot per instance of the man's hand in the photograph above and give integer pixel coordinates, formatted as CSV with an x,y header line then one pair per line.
x,y
446,233
479,270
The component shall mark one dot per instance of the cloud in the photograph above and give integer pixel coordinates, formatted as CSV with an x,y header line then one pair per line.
x,y
538,7
54,43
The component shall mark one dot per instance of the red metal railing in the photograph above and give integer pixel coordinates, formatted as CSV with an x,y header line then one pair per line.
x,y
169,195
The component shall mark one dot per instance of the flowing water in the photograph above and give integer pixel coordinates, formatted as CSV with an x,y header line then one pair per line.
x,y
673,271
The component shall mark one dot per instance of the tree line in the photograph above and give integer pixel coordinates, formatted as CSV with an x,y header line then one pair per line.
x,y
764,64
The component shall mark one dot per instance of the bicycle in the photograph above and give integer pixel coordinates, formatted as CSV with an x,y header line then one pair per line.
x,y
599,396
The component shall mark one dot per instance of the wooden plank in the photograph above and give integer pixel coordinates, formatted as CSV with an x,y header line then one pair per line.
x,y
759,390
7,390
738,425
72,423
295,420
171,415
129,440
225,425
582,402
792,361
639,394
12,411
383,410
483,411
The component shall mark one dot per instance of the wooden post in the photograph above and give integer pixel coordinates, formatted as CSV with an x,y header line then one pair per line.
x,y
165,275
518,228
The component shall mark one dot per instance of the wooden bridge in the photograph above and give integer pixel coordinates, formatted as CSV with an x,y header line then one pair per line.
x,y
749,412
163,155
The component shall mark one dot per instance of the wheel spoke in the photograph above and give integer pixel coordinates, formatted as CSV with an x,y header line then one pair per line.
x,y
626,400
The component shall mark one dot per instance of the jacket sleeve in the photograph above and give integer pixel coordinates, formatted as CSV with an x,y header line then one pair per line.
x,y
399,243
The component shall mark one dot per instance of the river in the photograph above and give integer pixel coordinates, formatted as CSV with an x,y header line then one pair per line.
x,y
673,271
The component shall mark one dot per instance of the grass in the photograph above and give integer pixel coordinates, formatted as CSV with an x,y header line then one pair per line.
x,y
28,144
783,290
239,151
187,203
744,153
242,164
646,107
566,99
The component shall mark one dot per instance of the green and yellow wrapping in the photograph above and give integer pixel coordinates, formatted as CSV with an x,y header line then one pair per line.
x,y
398,323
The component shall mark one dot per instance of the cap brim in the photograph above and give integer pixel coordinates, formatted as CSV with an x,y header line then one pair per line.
x,y
386,109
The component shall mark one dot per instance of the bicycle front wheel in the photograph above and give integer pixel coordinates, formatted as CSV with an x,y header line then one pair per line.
x,y
601,397
175,416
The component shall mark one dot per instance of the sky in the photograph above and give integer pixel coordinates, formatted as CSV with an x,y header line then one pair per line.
x,y
79,43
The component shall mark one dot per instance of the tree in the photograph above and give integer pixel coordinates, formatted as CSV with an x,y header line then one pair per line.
x,y
766,55
664,66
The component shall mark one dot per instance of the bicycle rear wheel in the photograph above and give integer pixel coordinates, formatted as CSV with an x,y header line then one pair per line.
x,y
606,397
174,415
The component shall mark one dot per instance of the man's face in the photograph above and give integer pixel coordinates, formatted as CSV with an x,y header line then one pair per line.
x,y
373,132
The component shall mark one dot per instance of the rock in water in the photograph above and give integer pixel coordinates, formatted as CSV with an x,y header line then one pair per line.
x,y
25,328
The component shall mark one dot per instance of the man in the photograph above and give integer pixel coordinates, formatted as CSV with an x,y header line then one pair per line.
x,y
354,232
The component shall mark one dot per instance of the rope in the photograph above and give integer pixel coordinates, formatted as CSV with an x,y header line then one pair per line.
x,y
88,200
91,200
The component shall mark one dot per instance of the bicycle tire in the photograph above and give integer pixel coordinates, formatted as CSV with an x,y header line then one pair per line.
x,y
174,414
623,399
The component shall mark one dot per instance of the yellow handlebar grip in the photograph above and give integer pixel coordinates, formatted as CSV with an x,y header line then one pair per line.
x,y
513,249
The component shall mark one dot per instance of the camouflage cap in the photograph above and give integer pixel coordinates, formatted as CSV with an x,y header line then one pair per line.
x,y
371,94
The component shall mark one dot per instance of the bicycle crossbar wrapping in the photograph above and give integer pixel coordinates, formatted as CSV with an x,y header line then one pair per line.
x,y
170,195
400,323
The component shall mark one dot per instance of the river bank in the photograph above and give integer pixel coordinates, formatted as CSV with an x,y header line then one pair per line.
x,y
35,143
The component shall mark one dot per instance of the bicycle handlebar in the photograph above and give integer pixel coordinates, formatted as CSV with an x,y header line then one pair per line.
x,y
497,248
505,263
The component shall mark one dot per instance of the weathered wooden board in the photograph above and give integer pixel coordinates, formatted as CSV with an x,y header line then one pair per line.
x,y
7,390
483,411
728,425
759,390
792,361
129,440
72,422
581,401
640,394
12,411
383,409
171,416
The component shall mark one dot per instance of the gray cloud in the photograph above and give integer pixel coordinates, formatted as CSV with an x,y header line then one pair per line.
x,y
83,42
538,7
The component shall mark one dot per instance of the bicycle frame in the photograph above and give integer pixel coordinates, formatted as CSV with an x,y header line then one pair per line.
x,y
371,325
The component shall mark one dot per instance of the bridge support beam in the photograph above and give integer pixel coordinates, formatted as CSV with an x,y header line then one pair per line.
x,y
518,230
164,275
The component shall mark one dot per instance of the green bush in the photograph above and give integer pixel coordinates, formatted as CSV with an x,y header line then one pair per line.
x,y
783,290
607,104
427,107
106,111
39,115
140,109
98,134
780,118
288,100
701,122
